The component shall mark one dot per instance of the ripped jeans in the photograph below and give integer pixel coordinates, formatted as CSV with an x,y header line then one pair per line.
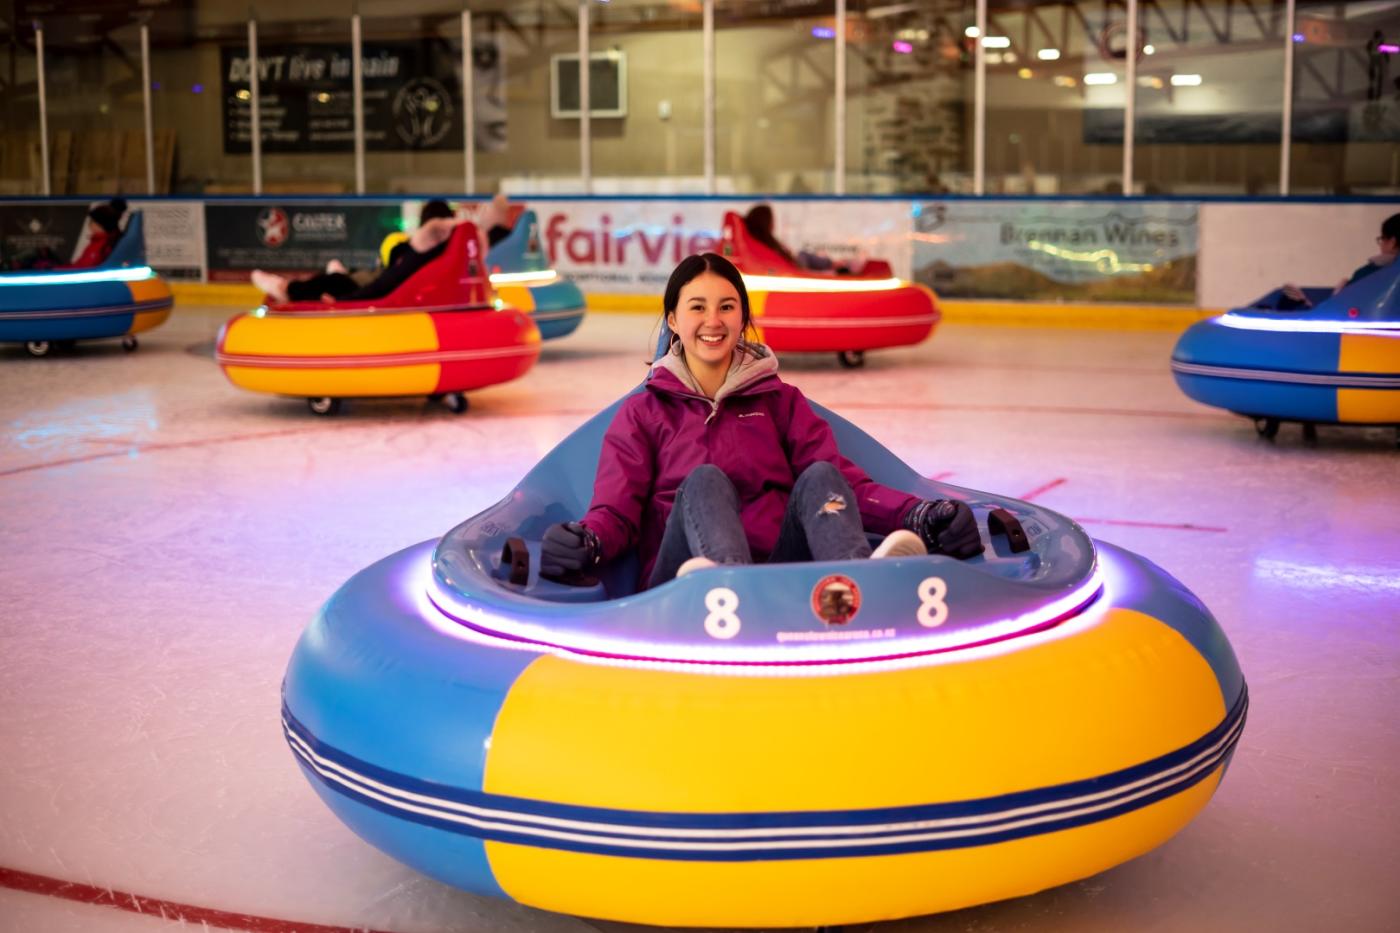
x,y
822,522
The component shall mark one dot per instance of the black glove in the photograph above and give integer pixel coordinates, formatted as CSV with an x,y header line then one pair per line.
x,y
947,527
569,548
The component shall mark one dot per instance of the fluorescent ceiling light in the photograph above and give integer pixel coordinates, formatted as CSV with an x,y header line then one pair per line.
x,y
1149,49
996,42
1186,80
971,32
1101,77
1048,55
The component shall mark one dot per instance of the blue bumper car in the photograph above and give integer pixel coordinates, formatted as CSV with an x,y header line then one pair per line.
x,y
522,277
119,298
772,745
1336,362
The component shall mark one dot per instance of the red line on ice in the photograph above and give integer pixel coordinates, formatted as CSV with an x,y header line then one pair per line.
x,y
170,910
160,445
1039,490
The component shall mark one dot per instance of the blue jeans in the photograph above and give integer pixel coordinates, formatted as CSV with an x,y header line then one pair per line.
x,y
822,522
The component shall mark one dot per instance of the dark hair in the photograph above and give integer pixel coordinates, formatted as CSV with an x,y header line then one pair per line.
x,y
690,269
759,222
109,216
433,210
1390,228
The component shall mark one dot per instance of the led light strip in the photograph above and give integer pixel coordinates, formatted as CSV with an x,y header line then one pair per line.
x,y
524,278
132,274
1332,380
844,322
491,623
792,283
1249,322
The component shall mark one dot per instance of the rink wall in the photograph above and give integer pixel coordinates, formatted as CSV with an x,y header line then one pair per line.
x,y
1036,261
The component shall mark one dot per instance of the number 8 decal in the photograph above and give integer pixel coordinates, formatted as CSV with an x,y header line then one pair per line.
x,y
722,622
933,611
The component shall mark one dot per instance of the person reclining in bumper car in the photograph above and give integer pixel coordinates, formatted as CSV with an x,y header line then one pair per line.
x,y
338,283
719,461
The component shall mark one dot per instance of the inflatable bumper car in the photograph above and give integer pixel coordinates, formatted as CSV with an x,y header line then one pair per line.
x,y
521,275
770,745
119,298
800,310
440,334
1337,362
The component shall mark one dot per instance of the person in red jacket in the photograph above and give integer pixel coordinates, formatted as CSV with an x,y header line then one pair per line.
x,y
104,229
718,461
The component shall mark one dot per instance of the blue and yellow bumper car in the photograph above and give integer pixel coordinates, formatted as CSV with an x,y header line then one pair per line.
x,y
120,298
1337,362
775,745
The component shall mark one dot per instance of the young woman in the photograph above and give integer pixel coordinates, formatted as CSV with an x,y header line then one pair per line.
x,y
719,461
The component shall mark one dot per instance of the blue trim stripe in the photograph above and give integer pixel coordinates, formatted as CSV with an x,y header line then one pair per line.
x,y
768,836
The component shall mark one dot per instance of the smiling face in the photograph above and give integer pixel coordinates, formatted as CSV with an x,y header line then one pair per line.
x,y
709,320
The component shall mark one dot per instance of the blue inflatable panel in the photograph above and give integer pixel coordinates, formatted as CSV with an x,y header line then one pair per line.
x,y
66,328
422,715
1251,398
1212,343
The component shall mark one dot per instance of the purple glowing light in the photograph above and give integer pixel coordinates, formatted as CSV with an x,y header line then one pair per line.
x,y
448,613
1388,48
824,32
197,89
902,47
1299,37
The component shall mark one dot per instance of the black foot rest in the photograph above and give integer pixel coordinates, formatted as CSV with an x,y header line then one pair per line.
x,y
515,561
1002,522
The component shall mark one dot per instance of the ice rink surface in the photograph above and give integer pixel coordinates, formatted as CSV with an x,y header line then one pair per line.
x,y
166,537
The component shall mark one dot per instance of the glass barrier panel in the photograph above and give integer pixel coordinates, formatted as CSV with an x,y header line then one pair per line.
x,y
20,159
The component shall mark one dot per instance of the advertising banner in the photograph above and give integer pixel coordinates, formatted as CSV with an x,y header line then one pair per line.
x,y
1058,251
412,97
294,238
38,234
630,247
174,238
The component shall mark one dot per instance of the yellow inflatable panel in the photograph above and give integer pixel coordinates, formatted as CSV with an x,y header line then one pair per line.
x,y
1368,406
1369,353
1124,691
145,320
517,296
317,334
380,381
152,289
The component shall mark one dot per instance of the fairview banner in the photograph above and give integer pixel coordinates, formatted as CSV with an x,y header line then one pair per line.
x,y
1058,251
630,247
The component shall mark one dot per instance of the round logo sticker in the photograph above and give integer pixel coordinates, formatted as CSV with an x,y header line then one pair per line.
x,y
273,228
836,599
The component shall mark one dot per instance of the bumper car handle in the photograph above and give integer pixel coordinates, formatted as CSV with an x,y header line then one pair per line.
x,y
515,561
1000,521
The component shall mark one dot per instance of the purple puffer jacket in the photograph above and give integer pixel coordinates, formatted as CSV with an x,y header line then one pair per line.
x,y
759,430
